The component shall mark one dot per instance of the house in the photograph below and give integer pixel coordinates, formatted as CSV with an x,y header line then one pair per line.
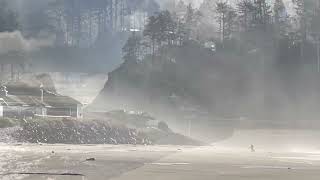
x,y
19,100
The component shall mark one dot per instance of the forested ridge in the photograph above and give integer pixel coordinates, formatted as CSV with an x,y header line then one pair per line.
x,y
248,59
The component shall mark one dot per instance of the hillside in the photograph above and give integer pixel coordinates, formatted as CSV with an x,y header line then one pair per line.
x,y
179,86
213,89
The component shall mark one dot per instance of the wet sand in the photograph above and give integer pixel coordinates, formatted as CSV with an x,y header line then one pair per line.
x,y
127,162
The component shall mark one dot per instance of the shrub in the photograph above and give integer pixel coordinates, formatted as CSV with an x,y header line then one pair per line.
x,y
7,122
163,126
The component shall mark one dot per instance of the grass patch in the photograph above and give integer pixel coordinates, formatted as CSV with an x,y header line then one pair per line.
x,y
8,122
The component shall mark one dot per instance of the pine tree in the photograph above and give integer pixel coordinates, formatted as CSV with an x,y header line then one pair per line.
x,y
245,9
281,19
151,31
167,28
304,9
208,7
189,20
262,14
131,50
226,19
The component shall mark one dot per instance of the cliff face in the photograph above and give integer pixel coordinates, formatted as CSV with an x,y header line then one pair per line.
x,y
190,76
248,88
185,83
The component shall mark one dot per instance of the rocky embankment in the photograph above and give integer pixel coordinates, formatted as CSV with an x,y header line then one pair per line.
x,y
77,132
87,132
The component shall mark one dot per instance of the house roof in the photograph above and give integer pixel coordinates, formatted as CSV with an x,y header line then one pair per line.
x,y
12,100
22,89
23,95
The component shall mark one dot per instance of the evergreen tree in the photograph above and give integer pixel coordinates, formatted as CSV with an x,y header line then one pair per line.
x,y
262,14
131,50
245,9
192,18
151,31
226,19
189,17
281,19
167,27
304,9
208,10
161,29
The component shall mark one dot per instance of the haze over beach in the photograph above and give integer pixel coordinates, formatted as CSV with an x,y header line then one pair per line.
x,y
159,89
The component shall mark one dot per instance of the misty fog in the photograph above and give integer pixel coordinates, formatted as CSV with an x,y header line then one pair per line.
x,y
197,65
159,89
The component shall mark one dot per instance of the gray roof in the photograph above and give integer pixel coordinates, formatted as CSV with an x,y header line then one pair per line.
x,y
24,95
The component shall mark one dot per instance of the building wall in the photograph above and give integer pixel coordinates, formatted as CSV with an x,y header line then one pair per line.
x,y
21,112
1,111
79,111
41,111
17,111
72,111
61,112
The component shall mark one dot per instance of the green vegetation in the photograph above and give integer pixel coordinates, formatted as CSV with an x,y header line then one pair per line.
x,y
234,60
8,122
